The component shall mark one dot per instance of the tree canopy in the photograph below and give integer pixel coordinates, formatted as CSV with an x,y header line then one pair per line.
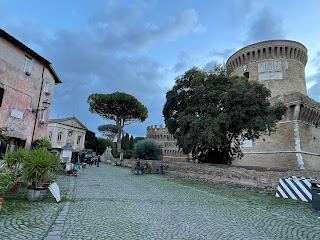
x,y
108,130
211,114
121,107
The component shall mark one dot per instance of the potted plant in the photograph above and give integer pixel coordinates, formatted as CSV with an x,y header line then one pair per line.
x,y
43,142
7,180
14,161
38,169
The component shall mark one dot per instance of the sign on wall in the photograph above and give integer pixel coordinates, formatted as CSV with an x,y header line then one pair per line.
x,y
271,70
16,113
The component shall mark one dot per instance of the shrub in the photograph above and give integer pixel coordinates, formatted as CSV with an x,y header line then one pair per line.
x,y
15,159
41,143
147,149
40,166
127,154
7,179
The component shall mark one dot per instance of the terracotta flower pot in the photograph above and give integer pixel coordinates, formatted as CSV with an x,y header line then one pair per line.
x,y
15,188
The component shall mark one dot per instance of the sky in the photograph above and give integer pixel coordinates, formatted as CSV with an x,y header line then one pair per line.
x,y
140,46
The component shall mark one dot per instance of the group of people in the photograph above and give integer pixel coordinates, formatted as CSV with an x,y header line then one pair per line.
x,y
95,160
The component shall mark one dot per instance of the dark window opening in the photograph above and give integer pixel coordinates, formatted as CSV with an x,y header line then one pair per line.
x,y
1,95
246,74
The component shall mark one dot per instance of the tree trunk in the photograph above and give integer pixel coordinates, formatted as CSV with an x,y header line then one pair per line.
x,y
119,125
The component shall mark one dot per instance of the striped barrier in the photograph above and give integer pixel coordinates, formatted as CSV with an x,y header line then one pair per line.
x,y
298,188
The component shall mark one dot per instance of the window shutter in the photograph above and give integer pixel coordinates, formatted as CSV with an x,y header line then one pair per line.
x,y
42,115
1,95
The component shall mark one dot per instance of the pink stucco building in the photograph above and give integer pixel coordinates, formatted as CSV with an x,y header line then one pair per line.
x,y
26,85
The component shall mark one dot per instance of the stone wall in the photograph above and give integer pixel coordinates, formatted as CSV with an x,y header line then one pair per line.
x,y
260,179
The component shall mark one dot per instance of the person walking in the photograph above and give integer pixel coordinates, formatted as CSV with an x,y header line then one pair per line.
x,y
98,160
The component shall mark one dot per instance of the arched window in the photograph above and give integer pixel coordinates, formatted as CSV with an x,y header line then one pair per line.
x,y
79,140
59,136
50,136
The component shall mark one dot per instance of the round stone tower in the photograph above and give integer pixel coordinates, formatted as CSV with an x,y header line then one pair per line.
x,y
279,64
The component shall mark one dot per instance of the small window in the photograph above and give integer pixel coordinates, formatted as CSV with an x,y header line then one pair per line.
x,y
46,88
59,136
246,74
27,64
1,95
50,136
79,140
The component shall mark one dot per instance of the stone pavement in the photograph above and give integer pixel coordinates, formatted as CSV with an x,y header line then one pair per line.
x,y
111,203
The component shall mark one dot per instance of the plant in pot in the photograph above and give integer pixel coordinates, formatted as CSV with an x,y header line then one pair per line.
x,y
41,143
14,161
7,180
37,170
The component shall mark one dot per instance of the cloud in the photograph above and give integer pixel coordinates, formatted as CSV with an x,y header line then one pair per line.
x,y
265,25
313,81
106,58
134,30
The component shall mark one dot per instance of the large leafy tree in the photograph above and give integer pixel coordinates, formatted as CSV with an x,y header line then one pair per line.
x,y
120,107
211,114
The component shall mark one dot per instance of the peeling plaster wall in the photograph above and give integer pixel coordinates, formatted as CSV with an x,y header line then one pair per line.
x,y
21,94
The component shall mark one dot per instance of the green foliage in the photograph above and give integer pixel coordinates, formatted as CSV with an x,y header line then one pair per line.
x,y
39,166
137,139
103,143
211,114
125,142
131,143
7,179
3,135
127,154
15,159
91,141
41,143
147,149
119,107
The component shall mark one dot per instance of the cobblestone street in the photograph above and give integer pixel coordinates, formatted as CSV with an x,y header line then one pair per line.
x,y
111,203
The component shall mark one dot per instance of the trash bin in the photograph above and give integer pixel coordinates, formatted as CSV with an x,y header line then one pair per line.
x,y
160,169
315,191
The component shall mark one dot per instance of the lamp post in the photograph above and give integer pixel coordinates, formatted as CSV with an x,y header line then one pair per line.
x,y
45,105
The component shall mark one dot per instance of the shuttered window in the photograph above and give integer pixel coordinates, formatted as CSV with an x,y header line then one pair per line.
x,y
1,95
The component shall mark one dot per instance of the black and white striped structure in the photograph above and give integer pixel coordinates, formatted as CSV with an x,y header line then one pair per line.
x,y
298,188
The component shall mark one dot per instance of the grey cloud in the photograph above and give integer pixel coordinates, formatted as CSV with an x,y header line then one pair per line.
x,y
210,65
265,25
104,57
225,54
184,60
314,91
130,33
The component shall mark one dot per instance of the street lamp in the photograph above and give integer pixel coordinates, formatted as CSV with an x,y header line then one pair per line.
x,y
45,105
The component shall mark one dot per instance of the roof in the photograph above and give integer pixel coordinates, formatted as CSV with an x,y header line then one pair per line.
x,y
62,120
30,52
68,147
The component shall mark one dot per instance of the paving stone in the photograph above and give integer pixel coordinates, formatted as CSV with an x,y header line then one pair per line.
x,y
111,203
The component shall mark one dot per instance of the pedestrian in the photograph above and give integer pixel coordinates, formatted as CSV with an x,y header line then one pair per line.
x,y
98,160
91,161
137,166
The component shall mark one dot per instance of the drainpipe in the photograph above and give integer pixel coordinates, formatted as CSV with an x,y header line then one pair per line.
x,y
297,136
38,105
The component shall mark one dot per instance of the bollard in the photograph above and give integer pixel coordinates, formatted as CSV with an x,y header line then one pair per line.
x,y
315,190
160,169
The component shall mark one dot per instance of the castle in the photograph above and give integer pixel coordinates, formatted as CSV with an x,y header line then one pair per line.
x,y
280,65
167,143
